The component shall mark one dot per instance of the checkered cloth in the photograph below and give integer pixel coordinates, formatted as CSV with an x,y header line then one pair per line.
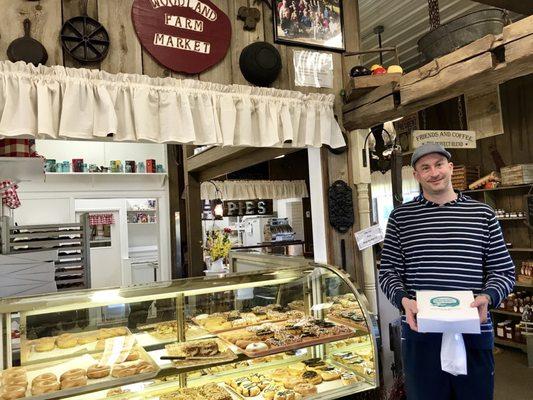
x,y
9,194
101,219
17,148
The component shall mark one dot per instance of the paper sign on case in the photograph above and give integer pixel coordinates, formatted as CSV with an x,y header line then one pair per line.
x,y
368,237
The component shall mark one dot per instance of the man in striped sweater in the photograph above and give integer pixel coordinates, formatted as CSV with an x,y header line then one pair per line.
x,y
444,240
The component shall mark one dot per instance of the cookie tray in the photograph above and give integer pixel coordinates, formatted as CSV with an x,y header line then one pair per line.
x,y
85,361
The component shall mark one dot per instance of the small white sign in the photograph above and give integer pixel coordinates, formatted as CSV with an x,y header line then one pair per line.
x,y
321,306
313,69
448,139
447,312
368,237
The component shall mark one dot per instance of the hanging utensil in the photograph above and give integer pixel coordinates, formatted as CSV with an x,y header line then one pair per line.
x,y
84,38
26,48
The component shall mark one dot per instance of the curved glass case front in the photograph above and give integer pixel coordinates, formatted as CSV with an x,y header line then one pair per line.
x,y
272,334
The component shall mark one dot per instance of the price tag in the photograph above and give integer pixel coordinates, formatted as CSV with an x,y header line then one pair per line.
x,y
368,237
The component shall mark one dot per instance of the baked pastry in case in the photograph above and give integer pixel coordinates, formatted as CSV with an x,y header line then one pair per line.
x,y
330,374
349,378
44,344
121,371
11,392
98,371
312,377
66,341
257,346
305,389
291,381
287,395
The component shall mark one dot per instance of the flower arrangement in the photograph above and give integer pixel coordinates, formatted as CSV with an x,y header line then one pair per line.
x,y
218,244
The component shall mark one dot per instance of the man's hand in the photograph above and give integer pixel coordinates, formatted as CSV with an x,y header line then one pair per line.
x,y
481,302
410,312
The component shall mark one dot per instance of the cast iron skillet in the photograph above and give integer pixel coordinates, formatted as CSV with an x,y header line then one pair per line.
x,y
26,48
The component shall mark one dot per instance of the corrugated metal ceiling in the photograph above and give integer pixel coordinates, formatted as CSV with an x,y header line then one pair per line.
x,y
405,21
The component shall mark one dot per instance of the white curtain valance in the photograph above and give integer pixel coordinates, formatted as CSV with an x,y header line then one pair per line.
x,y
57,102
250,190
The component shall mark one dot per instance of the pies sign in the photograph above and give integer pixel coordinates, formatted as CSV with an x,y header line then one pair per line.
x,y
183,35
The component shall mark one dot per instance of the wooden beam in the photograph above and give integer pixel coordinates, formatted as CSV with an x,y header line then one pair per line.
x,y
244,160
374,96
193,206
213,156
486,62
361,85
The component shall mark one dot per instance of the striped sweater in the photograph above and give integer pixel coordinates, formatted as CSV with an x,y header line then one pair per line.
x,y
456,246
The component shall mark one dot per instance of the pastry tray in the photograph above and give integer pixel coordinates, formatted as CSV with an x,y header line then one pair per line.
x,y
282,349
30,356
85,361
325,386
235,328
148,338
349,323
225,355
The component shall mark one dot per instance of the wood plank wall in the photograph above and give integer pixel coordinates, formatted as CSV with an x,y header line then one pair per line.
x,y
515,146
126,55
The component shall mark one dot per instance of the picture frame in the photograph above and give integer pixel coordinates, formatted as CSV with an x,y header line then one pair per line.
x,y
316,24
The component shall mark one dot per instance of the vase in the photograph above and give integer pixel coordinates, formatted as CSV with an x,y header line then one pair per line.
x,y
218,265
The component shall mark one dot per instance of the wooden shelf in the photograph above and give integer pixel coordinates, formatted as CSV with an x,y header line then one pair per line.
x,y
499,188
108,173
510,343
505,312
524,284
511,219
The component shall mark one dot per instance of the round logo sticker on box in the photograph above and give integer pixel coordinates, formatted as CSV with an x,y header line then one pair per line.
x,y
444,301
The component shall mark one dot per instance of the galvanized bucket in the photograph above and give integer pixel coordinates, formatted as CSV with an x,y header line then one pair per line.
x,y
461,31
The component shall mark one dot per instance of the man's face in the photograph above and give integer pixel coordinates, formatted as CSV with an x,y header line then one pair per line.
x,y
434,173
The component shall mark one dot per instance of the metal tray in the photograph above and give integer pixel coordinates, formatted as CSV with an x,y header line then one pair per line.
x,y
282,349
28,355
85,361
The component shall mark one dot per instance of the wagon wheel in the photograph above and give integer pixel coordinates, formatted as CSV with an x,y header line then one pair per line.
x,y
84,38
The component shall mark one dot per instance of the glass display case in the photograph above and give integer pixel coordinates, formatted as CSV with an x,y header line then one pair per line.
x,y
284,333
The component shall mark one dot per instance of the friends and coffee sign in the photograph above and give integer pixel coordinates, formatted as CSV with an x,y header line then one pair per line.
x,y
183,35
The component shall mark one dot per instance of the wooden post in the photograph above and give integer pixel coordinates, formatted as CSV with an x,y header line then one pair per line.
x,y
193,205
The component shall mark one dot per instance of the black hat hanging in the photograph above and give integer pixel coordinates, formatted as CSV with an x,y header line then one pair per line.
x,y
84,38
260,63
27,48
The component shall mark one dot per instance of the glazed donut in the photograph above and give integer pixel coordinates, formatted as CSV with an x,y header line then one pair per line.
x,y
120,371
305,389
104,334
133,356
44,387
79,380
257,346
119,331
330,375
73,374
11,392
290,382
312,377
144,367
98,371
15,381
48,376
44,344
93,337
66,341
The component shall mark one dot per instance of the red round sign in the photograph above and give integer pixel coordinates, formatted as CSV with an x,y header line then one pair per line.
x,y
182,35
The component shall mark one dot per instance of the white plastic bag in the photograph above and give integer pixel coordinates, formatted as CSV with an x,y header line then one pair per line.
x,y
453,354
